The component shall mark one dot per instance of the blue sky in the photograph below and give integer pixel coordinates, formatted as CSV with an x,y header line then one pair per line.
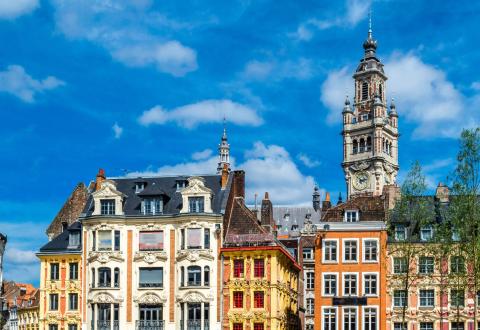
x,y
142,86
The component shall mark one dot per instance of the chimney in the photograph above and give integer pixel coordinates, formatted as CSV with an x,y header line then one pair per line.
x,y
100,178
442,193
327,203
224,176
316,199
266,218
238,185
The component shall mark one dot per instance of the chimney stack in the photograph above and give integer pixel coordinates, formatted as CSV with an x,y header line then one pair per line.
x,y
224,176
238,185
442,193
100,178
266,217
327,203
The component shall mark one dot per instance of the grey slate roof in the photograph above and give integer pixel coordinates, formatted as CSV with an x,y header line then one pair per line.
x,y
165,186
60,243
286,217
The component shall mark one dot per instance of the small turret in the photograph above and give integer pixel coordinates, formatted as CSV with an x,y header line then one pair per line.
x,y
340,200
326,203
223,151
316,199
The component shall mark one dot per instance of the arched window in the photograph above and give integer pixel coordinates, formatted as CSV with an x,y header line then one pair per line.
x,y
355,147
369,143
206,276
362,145
390,149
364,91
194,275
104,277
116,277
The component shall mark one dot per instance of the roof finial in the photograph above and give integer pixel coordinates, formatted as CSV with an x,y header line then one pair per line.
x,y
224,128
370,24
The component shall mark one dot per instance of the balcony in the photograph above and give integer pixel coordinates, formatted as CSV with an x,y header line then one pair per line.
x,y
193,325
107,325
150,325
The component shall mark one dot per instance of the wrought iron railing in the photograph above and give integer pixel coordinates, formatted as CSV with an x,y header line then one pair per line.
x,y
108,325
206,324
150,325
194,325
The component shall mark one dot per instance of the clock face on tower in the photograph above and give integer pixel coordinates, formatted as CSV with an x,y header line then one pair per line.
x,y
361,180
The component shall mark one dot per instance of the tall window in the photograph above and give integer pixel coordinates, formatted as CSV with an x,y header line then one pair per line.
x,y
399,265
194,275
310,280
206,276
329,319
258,326
427,298
194,238
151,241
350,251
107,206
425,265
116,244
237,326
54,272
351,216
355,147
53,327
370,319
370,284
330,251
399,298
400,326
330,285
73,301
369,144
457,265
307,254
53,301
350,284
457,326
370,250
116,277
151,277
258,268
426,325
258,299
152,206
310,306
104,240
349,319
237,299
73,271
457,298
206,238
238,268
196,204
364,91
72,327
104,277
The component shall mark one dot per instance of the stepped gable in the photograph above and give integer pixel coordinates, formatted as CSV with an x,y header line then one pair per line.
x,y
70,211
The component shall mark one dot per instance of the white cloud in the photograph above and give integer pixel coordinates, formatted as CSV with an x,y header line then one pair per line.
x,y
16,81
277,70
268,168
201,155
353,12
123,28
207,111
10,9
423,95
307,161
20,257
117,130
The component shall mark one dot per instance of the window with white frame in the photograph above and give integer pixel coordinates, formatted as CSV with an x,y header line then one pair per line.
x,y
330,251
310,280
370,318
349,319
351,216
152,206
350,284
370,284
399,265
400,326
329,284
425,265
107,206
350,251
399,298
104,240
329,319
194,238
427,298
426,325
307,253
426,233
310,306
400,233
370,249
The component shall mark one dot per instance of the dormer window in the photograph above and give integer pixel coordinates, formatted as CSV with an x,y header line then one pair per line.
x,y
426,233
139,186
351,216
181,184
152,206
400,233
107,206
196,204
74,239
294,227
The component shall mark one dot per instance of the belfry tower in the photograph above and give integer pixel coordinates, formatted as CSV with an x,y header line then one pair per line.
x,y
223,151
370,131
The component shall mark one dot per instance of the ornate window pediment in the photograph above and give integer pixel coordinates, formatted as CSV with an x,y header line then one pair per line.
x,y
150,298
194,297
196,197
108,191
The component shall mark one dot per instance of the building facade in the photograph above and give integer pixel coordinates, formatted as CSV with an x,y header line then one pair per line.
x,y
17,297
61,277
3,309
151,252
260,277
28,312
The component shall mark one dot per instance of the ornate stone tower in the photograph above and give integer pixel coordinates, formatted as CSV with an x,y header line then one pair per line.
x,y
223,151
370,131
3,242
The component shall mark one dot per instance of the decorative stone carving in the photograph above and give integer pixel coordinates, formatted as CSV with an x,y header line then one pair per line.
x,y
104,298
150,257
194,297
151,227
194,255
151,299
105,256
362,166
196,188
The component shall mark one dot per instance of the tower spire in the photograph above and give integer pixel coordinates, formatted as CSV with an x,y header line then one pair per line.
x,y
223,150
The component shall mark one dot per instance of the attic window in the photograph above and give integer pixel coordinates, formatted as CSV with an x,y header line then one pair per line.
x,y
74,240
400,232
152,206
139,186
426,233
181,184
351,216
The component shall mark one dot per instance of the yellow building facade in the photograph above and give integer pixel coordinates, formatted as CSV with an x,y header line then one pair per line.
x,y
61,281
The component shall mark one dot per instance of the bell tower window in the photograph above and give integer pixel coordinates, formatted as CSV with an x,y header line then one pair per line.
x,y
369,143
355,147
364,91
380,91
